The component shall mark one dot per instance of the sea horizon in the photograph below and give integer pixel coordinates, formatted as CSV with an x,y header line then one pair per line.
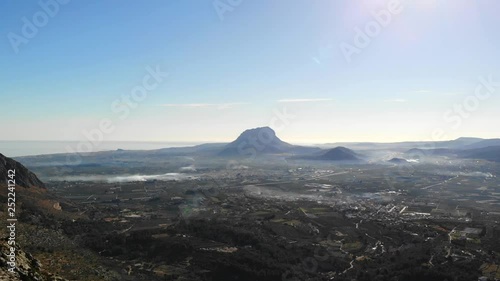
x,y
33,147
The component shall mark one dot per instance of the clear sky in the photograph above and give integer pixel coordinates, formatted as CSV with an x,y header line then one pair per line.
x,y
232,64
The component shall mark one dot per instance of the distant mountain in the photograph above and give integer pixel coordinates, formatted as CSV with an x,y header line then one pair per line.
x,y
23,176
460,143
490,153
466,143
334,154
483,144
398,161
340,154
417,153
259,141
201,148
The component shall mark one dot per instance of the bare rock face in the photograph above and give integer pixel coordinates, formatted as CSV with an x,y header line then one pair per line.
x,y
23,176
256,141
262,141
27,267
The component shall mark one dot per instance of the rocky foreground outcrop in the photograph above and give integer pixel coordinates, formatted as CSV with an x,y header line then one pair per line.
x,y
27,267
23,176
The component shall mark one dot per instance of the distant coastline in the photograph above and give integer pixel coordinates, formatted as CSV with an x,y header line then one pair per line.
x,y
30,148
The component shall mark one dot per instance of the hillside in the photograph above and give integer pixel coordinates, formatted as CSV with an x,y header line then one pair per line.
x,y
339,154
491,153
23,176
334,154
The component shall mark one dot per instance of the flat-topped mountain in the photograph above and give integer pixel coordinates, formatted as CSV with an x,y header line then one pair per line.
x,y
262,140
23,176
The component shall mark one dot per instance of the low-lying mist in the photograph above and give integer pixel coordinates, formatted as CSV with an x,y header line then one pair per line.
x,y
125,178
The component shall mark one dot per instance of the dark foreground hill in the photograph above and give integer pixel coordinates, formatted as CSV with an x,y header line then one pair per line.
x,y
30,193
23,176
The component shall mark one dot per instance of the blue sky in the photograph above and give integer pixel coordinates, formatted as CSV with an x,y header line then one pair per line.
x,y
232,72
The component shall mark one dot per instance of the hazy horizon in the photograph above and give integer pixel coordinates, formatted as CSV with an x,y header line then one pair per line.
x,y
19,148
200,141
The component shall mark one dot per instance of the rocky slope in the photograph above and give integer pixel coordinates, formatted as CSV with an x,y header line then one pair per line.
x,y
28,186
27,267
23,176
